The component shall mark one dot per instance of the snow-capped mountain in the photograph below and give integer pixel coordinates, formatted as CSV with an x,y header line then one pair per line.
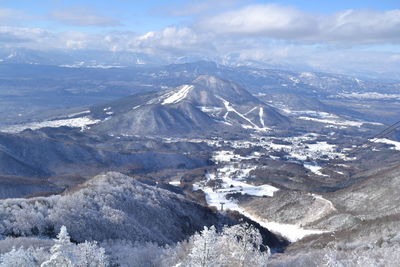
x,y
30,92
208,104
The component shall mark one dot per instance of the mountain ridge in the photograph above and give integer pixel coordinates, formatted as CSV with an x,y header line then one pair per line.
x,y
207,105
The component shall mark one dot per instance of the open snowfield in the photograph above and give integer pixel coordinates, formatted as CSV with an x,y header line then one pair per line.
x,y
82,122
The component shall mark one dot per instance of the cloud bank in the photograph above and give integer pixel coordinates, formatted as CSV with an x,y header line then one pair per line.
x,y
265,35
291,24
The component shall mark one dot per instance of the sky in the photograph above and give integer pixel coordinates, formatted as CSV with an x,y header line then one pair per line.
x,y
353,36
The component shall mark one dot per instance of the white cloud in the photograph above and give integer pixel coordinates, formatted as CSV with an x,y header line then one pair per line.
x,y
289,23
361,26
83,16
11,36
267,35
37,38
172,40
268,20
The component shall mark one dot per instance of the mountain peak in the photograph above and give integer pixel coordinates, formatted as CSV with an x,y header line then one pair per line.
x,y
213,82
208,103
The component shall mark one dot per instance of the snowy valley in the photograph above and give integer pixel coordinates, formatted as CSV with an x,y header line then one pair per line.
x,y
204,165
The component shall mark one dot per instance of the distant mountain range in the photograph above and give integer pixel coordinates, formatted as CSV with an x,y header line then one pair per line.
x,y
32,92
103,59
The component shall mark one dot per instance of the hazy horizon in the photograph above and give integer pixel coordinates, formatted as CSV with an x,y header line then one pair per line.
x,y
348,37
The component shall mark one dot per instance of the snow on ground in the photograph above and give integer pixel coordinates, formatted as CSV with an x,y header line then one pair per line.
x,y
175,183
294,80
314,113
78,113
314,168
300,148
325,118
211,142
261,114
307,75
210,109
216,196
251,125
251,110
82,64
371,95
178,96
396,144
82,123
230,108
333,122
304,147
233,175
233,172
292,232
223,156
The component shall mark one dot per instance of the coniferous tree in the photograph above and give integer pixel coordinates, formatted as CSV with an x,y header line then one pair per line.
x,y
62,253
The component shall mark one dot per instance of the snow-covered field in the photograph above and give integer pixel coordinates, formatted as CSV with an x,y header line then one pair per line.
x,y
292,232
232,176
314,168
332,120
395,144
370,95
82,122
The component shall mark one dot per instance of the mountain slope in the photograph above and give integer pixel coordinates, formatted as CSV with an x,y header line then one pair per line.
x,y
116,206
34,154
207,105
157,119
362,223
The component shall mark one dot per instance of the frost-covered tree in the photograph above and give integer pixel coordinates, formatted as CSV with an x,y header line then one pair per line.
x,y
125,253
17,258
66,254
235,246
62,253
205,248
330,259
89,254
241,246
